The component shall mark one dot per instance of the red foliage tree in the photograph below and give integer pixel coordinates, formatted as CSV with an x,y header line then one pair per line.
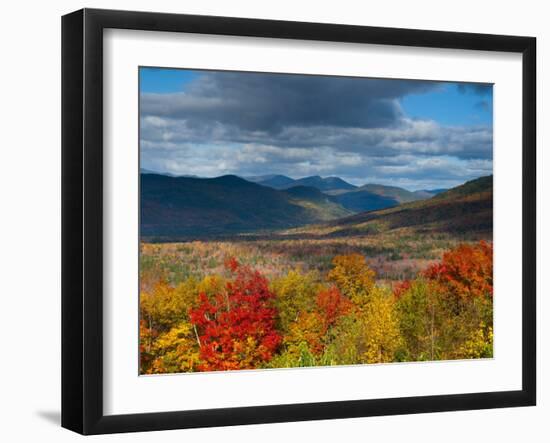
x,y
466,271
236,329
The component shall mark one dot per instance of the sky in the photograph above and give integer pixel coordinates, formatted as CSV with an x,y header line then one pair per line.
x,y
409,133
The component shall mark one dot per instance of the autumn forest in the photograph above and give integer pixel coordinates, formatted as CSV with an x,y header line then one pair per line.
x,y
240,319
294,221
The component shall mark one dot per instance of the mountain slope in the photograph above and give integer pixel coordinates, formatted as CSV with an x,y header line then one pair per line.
x,y
400,195
184,206
323,206
429,193
465,209
324,184
371,197
471,187
361,200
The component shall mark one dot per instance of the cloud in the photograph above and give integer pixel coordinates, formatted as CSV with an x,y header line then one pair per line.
x,y
270,102
410,136
253,124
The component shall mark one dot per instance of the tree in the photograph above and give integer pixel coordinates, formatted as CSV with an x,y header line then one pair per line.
x,y
353,277
209,285
295,295
331,305
307,336
466,271
465,281
307,331
447,312
479,344
146,354
236,328
176,350
165,306
421,316
295,356
368,334
380,328
345,341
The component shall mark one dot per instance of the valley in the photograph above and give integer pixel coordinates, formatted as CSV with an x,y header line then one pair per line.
x,y
397,241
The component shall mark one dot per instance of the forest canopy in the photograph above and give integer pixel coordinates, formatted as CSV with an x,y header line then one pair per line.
x,y
240,319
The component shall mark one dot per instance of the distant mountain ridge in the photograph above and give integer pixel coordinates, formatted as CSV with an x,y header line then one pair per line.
x,y
280,182
188,207
194,207
167,174
275,181
324,184
353,198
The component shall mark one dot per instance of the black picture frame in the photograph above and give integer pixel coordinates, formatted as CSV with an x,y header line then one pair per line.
x,y
82,218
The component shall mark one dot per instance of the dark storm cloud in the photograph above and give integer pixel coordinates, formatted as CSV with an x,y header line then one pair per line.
x,y
270,102
253,124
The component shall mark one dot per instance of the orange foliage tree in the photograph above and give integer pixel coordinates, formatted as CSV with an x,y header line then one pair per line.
x,y
332,305
311,327
466,271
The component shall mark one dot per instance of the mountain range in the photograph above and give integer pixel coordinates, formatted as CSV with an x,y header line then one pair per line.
x,y
315,181
205,207
353,198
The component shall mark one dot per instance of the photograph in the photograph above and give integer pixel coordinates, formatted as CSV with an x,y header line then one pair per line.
x,y
291,220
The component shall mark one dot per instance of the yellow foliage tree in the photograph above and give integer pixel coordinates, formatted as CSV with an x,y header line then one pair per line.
x,y
353,277
367,335
159,308
176,350
295,295
380,328
478,345
210,285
